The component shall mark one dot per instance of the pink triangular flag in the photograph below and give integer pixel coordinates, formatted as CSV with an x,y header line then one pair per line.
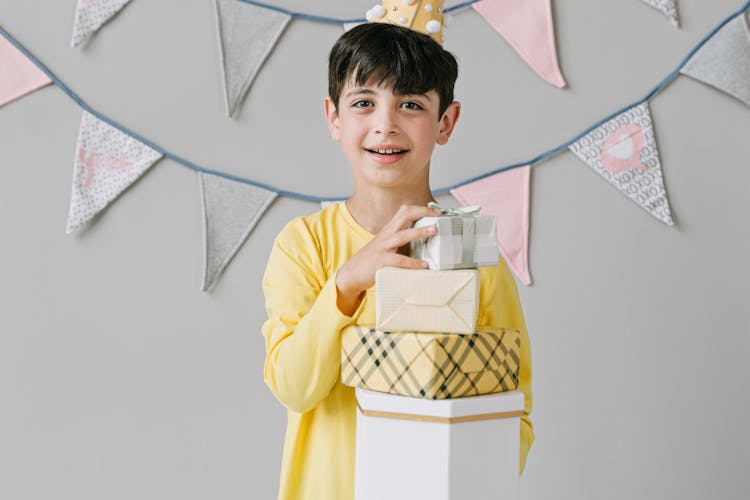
x,y
18,75
527,25
506,196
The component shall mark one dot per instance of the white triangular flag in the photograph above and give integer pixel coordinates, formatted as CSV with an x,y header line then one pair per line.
x,y
724,60
623,151
91,15
107,161
230,211
247,34
666,7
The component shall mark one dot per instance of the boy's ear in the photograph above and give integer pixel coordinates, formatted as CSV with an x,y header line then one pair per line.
x,y
332,118
448,122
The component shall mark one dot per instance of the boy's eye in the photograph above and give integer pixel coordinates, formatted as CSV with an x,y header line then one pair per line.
x,y
362,103
411,105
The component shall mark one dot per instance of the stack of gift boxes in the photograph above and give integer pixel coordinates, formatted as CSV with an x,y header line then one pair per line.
x,y
431,367
425,342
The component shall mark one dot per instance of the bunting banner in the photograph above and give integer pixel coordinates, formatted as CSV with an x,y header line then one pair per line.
x,y
107,161
621,147
247,34
231,210
666,7
18,75
91,15
527,26
623,151
724,61
505,195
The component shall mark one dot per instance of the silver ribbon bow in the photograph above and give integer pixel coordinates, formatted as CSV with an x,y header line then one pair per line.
x,y
456,212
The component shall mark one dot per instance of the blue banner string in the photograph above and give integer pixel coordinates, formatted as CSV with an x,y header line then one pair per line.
x,y
308,197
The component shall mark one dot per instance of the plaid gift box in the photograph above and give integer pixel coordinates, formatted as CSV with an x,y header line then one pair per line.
x,y
430,365
465,239
422,300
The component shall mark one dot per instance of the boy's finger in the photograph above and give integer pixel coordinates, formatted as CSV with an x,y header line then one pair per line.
x,y
406,236
407,214
398,260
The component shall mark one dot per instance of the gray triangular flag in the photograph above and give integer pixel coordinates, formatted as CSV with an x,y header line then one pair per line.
x,y
724,60
667,7
623,151
247,34
107,161
91,15
230,211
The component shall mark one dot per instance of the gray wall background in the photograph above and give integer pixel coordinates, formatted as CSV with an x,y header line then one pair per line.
x,y
119,379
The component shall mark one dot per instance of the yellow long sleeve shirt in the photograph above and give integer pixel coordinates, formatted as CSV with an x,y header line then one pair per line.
x,y
303,349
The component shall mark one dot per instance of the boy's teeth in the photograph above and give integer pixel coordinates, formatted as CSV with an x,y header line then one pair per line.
x,y
387,151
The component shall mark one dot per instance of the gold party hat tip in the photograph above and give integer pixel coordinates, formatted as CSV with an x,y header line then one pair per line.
x,y
425,16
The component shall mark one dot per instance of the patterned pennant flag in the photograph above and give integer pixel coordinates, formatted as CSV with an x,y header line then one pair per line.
x,y
91,15
666,7
527,25
106,162
724,60
230,211
18,75
623,151
247,34
506,196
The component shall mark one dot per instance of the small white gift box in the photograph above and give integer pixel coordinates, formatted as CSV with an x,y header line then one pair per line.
x,y
448,449
465,239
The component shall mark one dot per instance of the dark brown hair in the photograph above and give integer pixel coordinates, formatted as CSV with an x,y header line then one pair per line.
x,y
406,60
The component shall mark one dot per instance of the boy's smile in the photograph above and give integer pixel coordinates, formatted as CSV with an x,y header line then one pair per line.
x,y
387,138
386,154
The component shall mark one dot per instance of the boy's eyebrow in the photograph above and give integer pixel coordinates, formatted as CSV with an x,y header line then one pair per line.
x,y
363,90
422,95
359,90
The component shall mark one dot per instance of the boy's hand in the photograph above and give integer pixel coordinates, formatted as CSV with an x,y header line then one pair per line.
x,y
358,273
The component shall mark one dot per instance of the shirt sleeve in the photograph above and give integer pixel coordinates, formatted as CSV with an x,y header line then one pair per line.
x,y
500,307
303,329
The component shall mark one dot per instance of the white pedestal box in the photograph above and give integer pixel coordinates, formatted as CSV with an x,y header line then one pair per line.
x,y
450,449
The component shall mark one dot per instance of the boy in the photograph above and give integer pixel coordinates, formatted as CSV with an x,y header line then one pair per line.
x,y
390,101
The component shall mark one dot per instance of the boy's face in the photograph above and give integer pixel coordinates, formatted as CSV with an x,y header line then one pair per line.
x,y
388,139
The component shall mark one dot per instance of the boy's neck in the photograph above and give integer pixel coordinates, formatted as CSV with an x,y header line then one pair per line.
x,y
374,208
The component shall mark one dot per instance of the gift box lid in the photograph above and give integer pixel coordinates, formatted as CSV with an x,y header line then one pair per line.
x,y
510,402
424,300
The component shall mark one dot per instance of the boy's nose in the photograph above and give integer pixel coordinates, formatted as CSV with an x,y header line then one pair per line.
x,y
386,123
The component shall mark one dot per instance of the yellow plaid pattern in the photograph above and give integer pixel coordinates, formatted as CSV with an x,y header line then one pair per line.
x,y
430,365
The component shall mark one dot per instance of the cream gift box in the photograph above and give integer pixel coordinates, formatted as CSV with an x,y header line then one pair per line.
x,y
450,449
465,239
430,365
423,300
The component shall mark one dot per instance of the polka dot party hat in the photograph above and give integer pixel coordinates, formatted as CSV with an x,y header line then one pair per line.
x,y
425,16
